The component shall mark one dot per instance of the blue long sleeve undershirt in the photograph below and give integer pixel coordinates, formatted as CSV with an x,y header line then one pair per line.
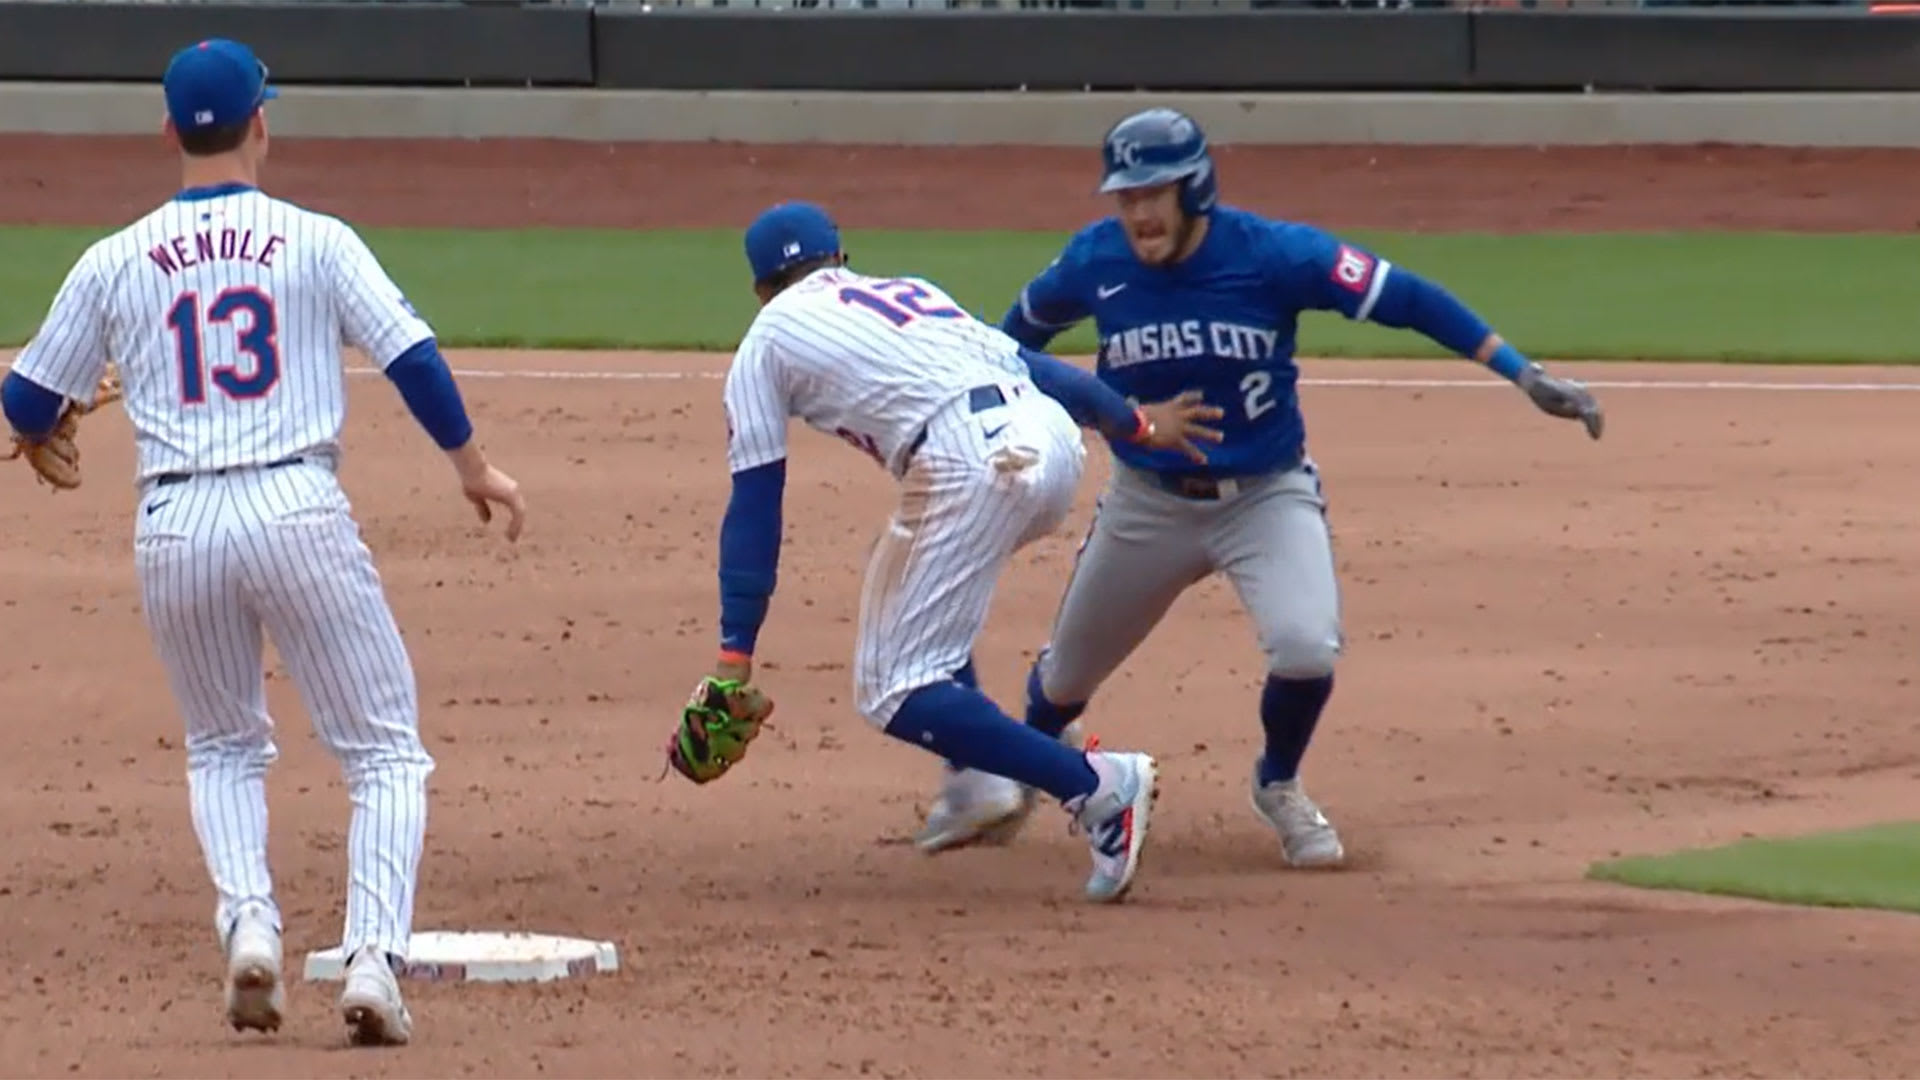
x,y
1091,402
750,553
421,375
1408,301
426,385
32,409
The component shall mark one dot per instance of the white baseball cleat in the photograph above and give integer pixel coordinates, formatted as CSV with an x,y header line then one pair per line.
x,y
371,1003
974,808
980,808
256,996
1115,817
1307,838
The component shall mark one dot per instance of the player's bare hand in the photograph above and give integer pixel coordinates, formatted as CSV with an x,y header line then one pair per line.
x,y
1565,398
485,485
1179,423
493,486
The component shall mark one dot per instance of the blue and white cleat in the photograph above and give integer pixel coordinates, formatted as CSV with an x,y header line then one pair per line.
x,y
1115,818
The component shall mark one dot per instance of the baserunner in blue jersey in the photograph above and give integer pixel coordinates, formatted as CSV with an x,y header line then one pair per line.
x,y
1187,294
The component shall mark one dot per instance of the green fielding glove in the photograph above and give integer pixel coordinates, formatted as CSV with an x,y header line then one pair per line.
x,y
718,722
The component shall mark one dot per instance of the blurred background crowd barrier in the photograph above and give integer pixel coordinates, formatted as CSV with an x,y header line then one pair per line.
x,y
998,45
1107,5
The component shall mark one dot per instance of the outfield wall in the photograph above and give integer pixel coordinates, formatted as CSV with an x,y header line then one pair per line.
x,y
666,46
957,118
1674,73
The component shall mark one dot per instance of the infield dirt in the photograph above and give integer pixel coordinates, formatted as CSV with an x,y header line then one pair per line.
x,y
1694,630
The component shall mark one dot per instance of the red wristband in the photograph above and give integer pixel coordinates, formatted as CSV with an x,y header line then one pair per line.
x,y
1144,431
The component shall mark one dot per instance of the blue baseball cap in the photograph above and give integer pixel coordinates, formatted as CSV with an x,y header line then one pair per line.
x,y
213,84
789,233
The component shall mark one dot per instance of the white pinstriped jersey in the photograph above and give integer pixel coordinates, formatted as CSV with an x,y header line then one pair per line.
x,y
226,311
864,358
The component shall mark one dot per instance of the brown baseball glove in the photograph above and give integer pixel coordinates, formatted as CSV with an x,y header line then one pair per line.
x,y
56,458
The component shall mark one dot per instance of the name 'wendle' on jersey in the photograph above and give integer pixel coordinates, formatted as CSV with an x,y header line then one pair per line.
x,y
1223,321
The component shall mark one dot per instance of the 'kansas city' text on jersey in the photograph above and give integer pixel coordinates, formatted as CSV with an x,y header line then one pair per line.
x,y
1222,321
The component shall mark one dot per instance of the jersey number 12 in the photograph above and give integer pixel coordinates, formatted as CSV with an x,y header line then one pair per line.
x,y
896,301
256,327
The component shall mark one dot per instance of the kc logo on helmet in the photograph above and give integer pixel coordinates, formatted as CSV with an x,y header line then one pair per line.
x,y
1126,152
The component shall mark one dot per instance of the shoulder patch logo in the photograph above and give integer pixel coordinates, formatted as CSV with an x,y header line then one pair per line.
x,y
1352,269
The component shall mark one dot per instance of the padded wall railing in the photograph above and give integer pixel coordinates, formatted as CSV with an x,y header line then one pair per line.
x,y
1231,46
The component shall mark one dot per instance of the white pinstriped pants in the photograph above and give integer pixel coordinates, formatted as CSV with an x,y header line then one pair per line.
x,y
222,558
983,485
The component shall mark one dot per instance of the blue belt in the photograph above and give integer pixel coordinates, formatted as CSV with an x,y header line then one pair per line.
x,y
979,400
182,477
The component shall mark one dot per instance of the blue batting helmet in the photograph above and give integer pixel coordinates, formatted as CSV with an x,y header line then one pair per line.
x,y
1160,146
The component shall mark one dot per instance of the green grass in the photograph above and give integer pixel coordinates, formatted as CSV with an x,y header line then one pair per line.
x,y
1875,867
1706,296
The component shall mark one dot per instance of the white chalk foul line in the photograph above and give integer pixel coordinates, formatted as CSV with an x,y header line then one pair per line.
x,y
1624,384
621,376
1361,383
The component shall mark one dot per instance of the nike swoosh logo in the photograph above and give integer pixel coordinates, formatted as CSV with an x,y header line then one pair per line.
x,y
157,506
996,431
1108,290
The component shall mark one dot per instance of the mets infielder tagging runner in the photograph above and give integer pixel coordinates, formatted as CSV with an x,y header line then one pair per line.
x,y
1187,294
225,310
987,460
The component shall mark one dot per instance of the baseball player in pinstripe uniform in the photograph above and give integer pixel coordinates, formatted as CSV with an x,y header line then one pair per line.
x,y
225,310
1189,295
982,438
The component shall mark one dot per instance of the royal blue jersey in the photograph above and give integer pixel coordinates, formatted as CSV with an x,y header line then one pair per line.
x,y
1221,321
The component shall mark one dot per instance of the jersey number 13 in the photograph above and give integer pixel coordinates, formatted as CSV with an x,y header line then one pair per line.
x,y
255,324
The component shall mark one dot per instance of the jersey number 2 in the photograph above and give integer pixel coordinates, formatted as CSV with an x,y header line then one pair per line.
x,y
1253,393
257,327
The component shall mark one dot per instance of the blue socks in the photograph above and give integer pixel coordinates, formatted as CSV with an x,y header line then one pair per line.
x,y
960,724
970,679
1290,710
1043,715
